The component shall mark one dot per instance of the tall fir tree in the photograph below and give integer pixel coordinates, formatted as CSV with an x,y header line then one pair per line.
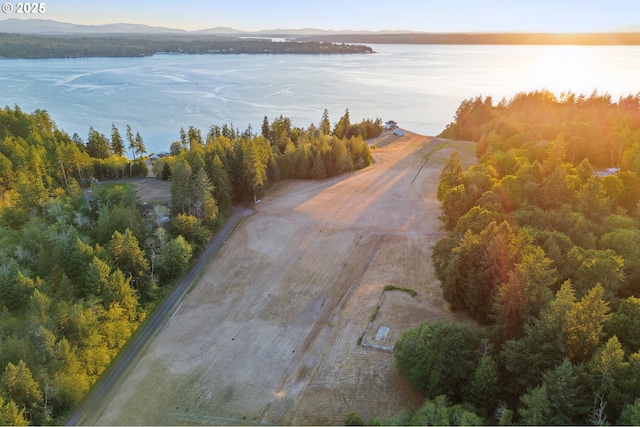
x,y
117,143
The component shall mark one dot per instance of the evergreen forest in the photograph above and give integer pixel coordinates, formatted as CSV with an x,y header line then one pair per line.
x,y
542,252
82,264
135,45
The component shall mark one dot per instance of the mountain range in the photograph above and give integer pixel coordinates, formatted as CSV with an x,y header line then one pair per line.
x,y
48,26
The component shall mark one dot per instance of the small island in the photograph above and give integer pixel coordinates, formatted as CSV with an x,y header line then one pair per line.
x,y
137,45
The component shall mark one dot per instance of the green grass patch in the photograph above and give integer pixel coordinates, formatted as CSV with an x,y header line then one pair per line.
x,y
111,185
440,146
437,148
465,147
395,288
375,313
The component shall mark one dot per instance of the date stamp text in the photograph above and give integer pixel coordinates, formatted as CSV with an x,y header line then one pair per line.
x,y
24,8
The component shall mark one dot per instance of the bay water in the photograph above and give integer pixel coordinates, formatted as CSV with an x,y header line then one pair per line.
x,y
418,86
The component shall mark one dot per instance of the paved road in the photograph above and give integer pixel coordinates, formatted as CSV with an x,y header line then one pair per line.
x,y
93,404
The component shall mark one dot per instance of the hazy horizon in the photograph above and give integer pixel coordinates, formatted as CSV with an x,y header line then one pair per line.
x,y
448,16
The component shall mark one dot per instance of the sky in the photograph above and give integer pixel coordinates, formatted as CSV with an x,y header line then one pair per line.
x,y
375,15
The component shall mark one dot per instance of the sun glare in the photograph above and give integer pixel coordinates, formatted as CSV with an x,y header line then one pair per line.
x,y
563,68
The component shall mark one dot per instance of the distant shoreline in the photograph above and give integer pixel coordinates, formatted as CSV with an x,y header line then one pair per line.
x,y
28,46
587,39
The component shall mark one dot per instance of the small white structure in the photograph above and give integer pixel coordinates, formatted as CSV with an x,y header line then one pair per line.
x,y
383,333
390,125
608,171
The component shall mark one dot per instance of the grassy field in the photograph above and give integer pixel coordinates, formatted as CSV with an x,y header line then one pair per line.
x,y
150,190
269,334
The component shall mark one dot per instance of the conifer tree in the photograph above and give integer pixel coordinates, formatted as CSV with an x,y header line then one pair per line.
x,y
325,124
341,129
265,128
22,388
180,186
140,148
536,407
221,184
117,144
451,175
124,250
318,170
10,414
98,145
132,141
584,328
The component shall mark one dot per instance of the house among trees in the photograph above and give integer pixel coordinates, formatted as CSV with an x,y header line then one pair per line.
x,y
608,171
390,125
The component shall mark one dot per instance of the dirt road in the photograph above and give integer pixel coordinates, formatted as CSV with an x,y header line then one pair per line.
x,y
109,383
269,334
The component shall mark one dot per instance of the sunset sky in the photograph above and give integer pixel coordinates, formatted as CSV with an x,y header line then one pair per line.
x,y
414,15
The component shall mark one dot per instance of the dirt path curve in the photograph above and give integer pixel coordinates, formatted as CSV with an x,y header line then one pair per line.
x,y
103,391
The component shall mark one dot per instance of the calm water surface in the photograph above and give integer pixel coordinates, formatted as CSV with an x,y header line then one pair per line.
x,y
418,86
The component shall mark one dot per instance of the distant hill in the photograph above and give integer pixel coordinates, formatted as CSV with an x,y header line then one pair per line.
x,y
220,31
48,26
315,31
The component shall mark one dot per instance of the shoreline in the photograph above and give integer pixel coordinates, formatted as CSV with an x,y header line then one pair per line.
x,y
545,39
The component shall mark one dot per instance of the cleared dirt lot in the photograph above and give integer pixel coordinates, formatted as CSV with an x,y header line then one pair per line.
x,y
269,334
